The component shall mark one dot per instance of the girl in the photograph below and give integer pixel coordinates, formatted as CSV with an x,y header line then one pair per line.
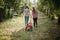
x,y
26,14
35,16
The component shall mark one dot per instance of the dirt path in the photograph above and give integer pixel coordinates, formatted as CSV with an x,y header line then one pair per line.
x,y
12,29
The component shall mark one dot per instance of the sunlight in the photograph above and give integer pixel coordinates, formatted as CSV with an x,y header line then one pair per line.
x,y
33,1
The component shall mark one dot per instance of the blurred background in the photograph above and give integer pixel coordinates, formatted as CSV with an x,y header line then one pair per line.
x,y
12,21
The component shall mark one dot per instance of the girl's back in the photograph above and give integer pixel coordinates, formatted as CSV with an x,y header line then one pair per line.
x,y
27,12
35,14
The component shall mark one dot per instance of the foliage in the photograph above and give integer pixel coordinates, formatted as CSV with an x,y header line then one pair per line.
x,y
52,4
1,3
9,3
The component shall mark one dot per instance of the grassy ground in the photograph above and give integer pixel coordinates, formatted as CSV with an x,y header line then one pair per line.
x,y
13,29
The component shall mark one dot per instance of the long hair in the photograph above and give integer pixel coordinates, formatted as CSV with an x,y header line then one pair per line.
x,y
33,10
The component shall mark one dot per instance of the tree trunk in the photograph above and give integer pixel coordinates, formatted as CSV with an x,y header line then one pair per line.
x,y
2,14
58,20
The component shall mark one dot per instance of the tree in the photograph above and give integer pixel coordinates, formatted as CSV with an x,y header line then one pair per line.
x,y
53,7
